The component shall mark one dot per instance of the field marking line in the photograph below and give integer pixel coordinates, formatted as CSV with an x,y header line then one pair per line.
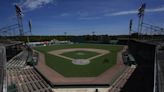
x,y
61,51
102,54
62,56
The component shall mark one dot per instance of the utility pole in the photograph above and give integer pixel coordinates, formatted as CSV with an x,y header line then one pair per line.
x,y
130,27
130,30
93,33
65,33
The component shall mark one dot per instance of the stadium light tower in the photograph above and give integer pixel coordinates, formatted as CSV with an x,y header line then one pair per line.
x,y
30,26
65,34
19,15
130,30
30,30
141,12
93,34
130,26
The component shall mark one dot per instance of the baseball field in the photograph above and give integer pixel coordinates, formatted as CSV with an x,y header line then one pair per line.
x,y
80,60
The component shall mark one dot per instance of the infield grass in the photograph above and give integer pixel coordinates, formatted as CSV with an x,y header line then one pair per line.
x,y
80,54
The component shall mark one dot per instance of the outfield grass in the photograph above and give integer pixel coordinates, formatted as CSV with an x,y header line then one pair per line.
x,y
80,54
67,69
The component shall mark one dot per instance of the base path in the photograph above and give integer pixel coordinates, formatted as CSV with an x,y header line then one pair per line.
x,y
57,79
59,52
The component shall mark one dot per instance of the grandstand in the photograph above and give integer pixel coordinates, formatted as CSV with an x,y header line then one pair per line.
x,y
17,75
18,61
8,49
26,80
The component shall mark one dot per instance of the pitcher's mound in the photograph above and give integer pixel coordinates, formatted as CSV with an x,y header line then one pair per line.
x,y
80,61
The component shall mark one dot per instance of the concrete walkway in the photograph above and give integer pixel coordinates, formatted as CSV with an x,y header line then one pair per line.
x,y
80,89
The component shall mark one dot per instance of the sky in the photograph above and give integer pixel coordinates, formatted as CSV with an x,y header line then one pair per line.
x,y
81,17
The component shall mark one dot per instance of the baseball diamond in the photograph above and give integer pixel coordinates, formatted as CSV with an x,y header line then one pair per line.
x,y
80,56
55,58
103,62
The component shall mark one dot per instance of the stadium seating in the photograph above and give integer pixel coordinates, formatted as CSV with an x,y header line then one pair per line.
x,y
18,61
25,78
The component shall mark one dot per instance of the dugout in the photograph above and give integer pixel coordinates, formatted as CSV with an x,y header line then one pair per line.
x,y
128,59
32,58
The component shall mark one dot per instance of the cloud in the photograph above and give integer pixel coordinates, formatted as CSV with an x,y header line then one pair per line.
x,y
85,15
34,4
122,13
65,14
89,18
161,9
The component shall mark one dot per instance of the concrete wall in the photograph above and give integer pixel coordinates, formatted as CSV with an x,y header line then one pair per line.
x,y
142,52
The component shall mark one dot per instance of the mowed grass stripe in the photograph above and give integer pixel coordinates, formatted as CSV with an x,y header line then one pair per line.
x,y
67,69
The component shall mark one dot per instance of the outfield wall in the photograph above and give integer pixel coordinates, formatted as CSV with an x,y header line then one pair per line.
x,y
142,80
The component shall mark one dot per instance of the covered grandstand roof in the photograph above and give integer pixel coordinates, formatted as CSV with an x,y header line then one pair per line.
x,y
9,43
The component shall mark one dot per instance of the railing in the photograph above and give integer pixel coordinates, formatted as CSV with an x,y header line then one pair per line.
x,y
157,73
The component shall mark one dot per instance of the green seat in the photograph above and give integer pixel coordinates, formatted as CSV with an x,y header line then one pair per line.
x,y
131,60
12,88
